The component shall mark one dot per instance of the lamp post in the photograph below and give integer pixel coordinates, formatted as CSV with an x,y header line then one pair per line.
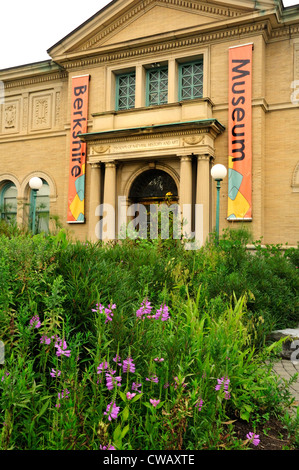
x,y
35,184
218,173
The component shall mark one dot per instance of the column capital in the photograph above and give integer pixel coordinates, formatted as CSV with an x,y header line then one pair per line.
x,y
95,165
185,158
111,164
204,157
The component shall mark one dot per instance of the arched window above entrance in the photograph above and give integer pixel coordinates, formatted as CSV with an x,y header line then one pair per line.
x,y
153,185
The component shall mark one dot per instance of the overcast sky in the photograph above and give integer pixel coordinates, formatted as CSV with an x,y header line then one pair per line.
x,y
30,27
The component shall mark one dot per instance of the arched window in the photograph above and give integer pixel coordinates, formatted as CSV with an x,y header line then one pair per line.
x,y
42,211
8,202
153,185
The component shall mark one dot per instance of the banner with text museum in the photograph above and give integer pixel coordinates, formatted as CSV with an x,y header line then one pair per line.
x,y
79,116
240,133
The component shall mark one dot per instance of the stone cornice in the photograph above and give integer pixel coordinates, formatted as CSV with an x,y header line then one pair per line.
x,y
44,78
199,39
197,7
204,126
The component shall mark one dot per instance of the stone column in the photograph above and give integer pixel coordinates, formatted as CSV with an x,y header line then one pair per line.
x,y
21,204
109,201
186,193
203,194
94,200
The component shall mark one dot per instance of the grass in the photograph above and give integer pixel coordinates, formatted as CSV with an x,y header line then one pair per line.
x,y
141,346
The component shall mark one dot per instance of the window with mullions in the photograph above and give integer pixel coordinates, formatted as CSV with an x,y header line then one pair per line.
x,y
125,91
156,86
8,202
191,80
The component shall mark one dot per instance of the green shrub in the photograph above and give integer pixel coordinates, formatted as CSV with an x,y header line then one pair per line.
x,y
221,300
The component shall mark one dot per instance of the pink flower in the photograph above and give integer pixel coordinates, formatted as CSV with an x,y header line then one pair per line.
x,y
62,348
128,364
103,366
199,405
162,313
136,386
111,381
159,360
130,395
112,411
145,309
254,438
107,311
55,373
107,448
45,339
35,322
223,382
64,394
117,359
154,402
154,379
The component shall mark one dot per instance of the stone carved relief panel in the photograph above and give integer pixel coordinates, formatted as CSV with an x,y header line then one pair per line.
x,y
31,111
295,83
11,116
41,111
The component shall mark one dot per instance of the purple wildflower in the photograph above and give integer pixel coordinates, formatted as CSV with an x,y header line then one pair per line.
x,y
145,309
130,395
199,404
128,365
44,339
157,359
225,382
107,448
55,373
111,381
117,359
3,377
61,347
64,394
107,311
35,322
103,366
178,383
135,387
153,378
112,411
254,438
162,313
154,402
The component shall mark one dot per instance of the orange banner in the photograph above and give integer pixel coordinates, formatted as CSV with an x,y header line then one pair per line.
x,y
79,116
240,133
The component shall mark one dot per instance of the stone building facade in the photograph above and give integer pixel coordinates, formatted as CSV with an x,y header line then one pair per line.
x,y
158,115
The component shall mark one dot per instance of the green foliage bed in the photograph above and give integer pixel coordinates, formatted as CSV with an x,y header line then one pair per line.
x,y
140,345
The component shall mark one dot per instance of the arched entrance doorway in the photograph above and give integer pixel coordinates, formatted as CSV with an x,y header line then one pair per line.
x,y
153,187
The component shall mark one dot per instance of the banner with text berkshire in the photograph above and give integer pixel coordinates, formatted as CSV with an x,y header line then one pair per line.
x,y
79,116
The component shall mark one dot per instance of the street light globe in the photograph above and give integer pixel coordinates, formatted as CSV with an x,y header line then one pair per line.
x,y
218,172
35,183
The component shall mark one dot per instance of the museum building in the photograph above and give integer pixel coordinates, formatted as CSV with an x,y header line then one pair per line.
x,y
137,105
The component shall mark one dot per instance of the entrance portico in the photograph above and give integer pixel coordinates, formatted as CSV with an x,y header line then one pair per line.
x,y
182,149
